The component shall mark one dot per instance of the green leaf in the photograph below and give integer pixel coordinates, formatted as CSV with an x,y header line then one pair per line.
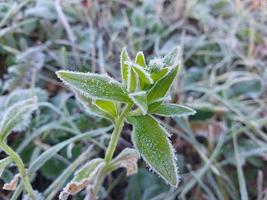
x,y
162,86
107,106
144,76
156,75
131,84
151,140
92,108
17,116
140,59
140,99
94,86
124,67
173,57
3,164
171,110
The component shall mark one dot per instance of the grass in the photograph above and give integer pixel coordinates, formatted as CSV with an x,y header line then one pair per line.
x,y
223,78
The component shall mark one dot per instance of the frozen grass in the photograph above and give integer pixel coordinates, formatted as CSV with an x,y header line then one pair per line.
x,y
223,148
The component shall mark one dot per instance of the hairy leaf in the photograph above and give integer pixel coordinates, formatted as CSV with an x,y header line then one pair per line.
x,y
154,146
173,57
124,67
107,106
171,110
162,86
94,86
140,99
140,59
17,117
156,75
132,82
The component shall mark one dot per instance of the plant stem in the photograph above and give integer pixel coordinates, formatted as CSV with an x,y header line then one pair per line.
x,y
16,158
119,123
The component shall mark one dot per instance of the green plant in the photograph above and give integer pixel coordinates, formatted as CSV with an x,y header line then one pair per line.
x,y
16,118
141,95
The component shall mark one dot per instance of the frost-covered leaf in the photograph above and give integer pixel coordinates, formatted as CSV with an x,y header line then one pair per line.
x,y
91,108
127,159
107,106
94,86
156,75
162,86
172,110
131,80
17,117
173,57
140,59
143,76
37,196
124,67
3,164
152,142
140,99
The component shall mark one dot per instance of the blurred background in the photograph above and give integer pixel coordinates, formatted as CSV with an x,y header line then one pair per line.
x,y
221,151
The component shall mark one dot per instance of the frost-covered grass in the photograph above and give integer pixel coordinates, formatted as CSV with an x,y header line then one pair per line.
x,y
223,147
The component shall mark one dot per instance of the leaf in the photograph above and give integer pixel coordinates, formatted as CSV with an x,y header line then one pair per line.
x,y
124,67
92,108
140,99
131,84
140,59
128,159
3,164
144,76
17,117
94,86
162,86
156,75
107,106
151,140
172,110
173,57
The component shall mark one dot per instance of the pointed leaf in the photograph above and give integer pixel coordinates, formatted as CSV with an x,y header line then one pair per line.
x,y
140,59
140,99
154,146
131,84
173,57
91,108
17,117
3,164
94,86
159,74
144,76
124,68
171,110
107,106
162,86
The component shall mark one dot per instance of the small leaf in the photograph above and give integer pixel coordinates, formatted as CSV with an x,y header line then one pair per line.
x,y
127,159
144,76
12,185
151,140
3,164
94,86
91,108
140,99
131,84
162,86
156,75
173,57
140,59
107,106
171,110
17,117
124,67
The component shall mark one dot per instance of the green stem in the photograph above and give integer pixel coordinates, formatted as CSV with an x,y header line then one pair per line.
x,y
119,123
16,158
